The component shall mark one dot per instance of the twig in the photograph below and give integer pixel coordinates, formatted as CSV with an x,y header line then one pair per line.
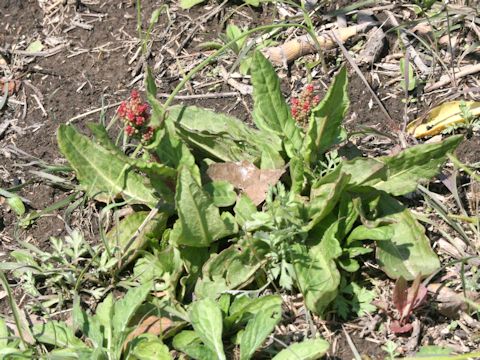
x,y
446,79
40,105
201,96
46,53
81,116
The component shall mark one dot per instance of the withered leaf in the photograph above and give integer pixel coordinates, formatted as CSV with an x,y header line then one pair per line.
x,y
151,325
450,303
245,176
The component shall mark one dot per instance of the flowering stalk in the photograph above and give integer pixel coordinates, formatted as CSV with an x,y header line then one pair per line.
x,y
136,115
301,107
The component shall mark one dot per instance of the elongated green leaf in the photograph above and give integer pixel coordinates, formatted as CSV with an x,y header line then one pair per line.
x,y
56,334
243,309
125,308
104,315
199,222
408,252
3,333
206,318
121,234
324,129
271,113
100,172
317,277
415,164
257,330
325,194
310,349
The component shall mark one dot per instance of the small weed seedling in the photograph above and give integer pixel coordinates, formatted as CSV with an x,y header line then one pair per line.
x,y
406,299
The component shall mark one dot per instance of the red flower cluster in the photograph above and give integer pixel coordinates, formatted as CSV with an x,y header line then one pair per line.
x,y
302,106
136,114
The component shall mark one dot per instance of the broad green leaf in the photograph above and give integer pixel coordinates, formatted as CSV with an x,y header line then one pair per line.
x,y
171,150
190,343
324,129
127,228
218,135
125,308
348,214
233,268
364,170
257,330
317,277
310,349
325,194
363,232
77,354
35,46
16,204
415,164
408,252
100,172
187,4
56,334
271,113
199,222
243,309
148,347
222,193
206,318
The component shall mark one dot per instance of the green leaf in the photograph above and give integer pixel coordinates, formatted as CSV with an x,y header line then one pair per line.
x,y
243,309
222,193
206,318
324,129
35,46
101,173
257,330
232,268
187,4
103,316
408,252
317,277
252,2
150,80
56,334
16,204
233,32
271,113
190,343
199,222
412,82
325,194
310,349
363,232
125,308
244,208
415,164
297,170
219,136
148,347
364,170
3,333
120,235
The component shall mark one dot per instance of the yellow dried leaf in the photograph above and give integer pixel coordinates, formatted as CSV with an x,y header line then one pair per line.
x,y
440,118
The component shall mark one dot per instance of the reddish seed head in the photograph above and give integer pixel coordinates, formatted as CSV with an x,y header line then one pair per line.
x,y
309,88
134,94
294,101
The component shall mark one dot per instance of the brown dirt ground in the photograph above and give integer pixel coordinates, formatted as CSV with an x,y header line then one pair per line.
x,y
94,66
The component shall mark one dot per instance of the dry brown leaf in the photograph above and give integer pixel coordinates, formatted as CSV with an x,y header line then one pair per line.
x,y
451,303
246,177
13,86
151,325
